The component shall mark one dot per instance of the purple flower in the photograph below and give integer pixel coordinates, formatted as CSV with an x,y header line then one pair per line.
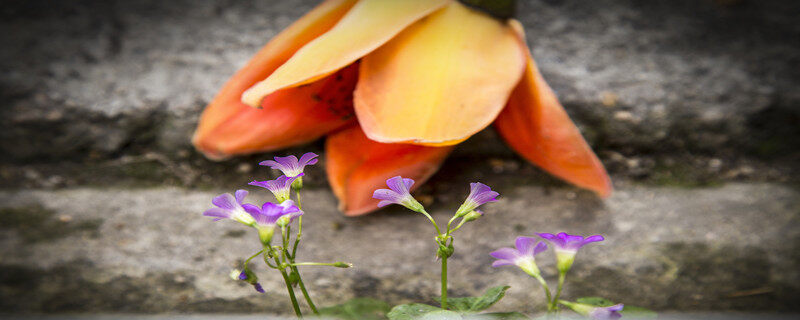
x,y
253,281
398,193
479,194
566,246
290,166
271,214
606,313
280,187
230,207
523,256
595,312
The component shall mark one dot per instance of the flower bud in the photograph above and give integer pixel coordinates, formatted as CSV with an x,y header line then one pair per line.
x,y
265,233
298,184
343,265
473,215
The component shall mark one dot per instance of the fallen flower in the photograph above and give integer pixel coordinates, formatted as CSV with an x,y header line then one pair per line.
x,y
399,68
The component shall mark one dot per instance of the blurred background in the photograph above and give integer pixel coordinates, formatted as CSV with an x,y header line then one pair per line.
x,y
692,106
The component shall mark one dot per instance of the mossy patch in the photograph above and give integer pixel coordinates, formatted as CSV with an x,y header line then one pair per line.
x,y
681,176
39,224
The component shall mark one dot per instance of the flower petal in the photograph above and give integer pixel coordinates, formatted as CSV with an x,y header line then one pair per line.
x,y
217,213
535,125
240,195
505,254
356,166
225,201
368,25
227,102
441,80
525,245
287,117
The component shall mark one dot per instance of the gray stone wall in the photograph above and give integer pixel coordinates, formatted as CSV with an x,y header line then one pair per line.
x,y
692,106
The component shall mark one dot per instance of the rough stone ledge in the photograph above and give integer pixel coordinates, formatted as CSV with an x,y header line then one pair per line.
x,y
83,79
732,247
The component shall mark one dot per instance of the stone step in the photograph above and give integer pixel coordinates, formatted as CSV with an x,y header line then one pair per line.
x,y
731,247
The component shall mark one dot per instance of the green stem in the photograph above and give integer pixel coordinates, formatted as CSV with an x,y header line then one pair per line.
x,y
444,283
332,264
247,262
561,277
458,226
304,291
546,292
295,305
438,232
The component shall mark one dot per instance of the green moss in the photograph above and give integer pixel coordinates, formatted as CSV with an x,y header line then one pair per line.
x,y
38,224
681,176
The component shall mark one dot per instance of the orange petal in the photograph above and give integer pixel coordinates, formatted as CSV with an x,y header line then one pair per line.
x,y
368,25
227,104
441,80
357,166
536,125
287,117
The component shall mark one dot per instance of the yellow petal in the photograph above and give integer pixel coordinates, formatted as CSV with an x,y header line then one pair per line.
x,y
367,26
441,80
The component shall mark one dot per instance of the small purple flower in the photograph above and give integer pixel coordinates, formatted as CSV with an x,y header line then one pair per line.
x,y
566,246
253,281
523,256
479,194
606,313
290,166
398,193
271,214
258,287
280,187
230,207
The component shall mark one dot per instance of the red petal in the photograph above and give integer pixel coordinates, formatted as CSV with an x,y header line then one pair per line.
x,y
227,104
357,166
287,117
536,125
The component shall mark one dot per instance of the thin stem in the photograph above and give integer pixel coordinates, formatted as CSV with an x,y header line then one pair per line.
x,y
561,277
304,291
444,283
295,305
332,264
246,262
299,227
459,225
438,232
546,292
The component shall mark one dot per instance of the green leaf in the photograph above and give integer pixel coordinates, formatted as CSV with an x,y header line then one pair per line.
x,y
497,316
596,301
638,312
475,304
357,308
441,315
410,311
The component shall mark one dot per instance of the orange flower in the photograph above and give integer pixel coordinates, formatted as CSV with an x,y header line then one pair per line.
x,y
395,85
